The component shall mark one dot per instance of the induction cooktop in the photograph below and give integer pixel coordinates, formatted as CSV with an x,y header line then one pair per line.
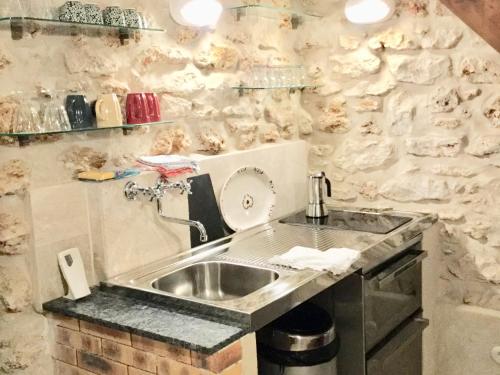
x,y
348,220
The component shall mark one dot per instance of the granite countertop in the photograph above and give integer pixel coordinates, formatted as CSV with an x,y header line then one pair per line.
x,y
148,319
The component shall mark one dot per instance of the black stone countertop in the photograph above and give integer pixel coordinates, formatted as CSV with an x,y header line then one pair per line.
x,y
148,319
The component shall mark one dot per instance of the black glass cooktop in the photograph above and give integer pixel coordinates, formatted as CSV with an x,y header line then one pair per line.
x,y
358,221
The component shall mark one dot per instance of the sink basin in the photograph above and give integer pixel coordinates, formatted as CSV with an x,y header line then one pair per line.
x,y
215,281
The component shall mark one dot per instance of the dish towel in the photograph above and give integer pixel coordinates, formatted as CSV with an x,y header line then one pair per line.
x,y
334,260
169,162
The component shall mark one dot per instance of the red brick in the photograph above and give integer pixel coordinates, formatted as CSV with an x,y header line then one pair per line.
x,y
129,356
100,365
219,361
77,340
65,353
166,366
161,348
105,332
61,368
136,371
64,321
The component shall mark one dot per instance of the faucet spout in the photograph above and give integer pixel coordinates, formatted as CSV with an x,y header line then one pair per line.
x,y
192,223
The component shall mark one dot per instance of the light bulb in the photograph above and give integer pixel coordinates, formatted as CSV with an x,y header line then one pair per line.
x,y
366,12
202,13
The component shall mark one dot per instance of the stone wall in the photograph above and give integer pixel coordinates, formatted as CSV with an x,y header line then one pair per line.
x,y
412,122
407,116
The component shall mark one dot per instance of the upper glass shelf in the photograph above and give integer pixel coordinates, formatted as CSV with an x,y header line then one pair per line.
x,y
72,24
17,25
269,11
124,127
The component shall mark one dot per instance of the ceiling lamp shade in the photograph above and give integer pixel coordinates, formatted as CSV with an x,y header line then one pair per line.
x,y
365,12
196,13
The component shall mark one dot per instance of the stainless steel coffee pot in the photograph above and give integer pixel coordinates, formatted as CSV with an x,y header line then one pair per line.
x,y
317,207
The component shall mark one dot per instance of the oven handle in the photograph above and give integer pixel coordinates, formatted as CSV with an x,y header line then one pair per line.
x,y
387,277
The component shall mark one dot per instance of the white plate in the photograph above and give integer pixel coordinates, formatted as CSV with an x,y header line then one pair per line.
x,y
247,199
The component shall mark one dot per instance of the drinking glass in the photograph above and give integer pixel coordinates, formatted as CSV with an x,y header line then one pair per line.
x,y
28,118
11,8
41,9
54,117
259,76
273,77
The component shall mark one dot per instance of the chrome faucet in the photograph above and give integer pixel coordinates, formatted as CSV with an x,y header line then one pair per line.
x,y
155,193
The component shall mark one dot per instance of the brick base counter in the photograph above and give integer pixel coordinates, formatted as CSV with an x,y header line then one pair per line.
x,y
84,348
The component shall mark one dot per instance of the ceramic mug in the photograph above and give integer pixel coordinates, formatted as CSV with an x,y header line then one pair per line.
x,y
153,105
72,11
108,111
79,112
114,16
142,108
94,14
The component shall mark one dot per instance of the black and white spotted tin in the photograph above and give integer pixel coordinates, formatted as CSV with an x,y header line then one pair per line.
x,y
94,14
72,11
113,16
132,18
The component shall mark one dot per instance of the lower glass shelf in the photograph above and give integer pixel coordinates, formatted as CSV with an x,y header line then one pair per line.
x,y
287,87
124,127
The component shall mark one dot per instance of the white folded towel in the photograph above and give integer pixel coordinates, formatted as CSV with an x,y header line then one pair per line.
x,y
335,260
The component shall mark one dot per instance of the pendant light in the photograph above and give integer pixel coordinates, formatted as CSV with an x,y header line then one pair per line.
x,y
196,13
365,12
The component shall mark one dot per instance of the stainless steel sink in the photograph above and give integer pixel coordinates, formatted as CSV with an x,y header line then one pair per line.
x,y
215,281
233,278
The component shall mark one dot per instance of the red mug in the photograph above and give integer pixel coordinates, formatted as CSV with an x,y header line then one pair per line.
x,y
142,108
153,105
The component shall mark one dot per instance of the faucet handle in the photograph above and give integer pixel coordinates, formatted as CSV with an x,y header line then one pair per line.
x,y
131,190
185,187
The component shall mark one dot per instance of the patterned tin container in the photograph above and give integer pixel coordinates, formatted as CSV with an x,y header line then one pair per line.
x,y
72,11
132,18
94,14
113,16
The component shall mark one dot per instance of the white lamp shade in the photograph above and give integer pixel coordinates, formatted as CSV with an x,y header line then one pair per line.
x,y
365,12
196,13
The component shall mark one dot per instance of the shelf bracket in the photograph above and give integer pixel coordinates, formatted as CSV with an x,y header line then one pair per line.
x,y
239,14
296,21
23,140
16,28
124,35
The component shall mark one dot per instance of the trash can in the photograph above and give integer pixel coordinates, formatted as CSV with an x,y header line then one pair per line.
x,y
301,342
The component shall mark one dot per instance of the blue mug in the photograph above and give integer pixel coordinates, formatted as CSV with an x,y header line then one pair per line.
x,y
79,112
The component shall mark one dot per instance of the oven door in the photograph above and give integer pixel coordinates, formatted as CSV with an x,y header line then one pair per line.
x,y
392,296
401,354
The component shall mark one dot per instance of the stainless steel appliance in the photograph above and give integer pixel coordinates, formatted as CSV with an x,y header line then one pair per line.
x,y
378,316
301,342
316,207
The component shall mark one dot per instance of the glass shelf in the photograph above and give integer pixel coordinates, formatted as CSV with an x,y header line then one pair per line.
x,y
290,87
126,127
241,89
17,25
269,11
83,24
